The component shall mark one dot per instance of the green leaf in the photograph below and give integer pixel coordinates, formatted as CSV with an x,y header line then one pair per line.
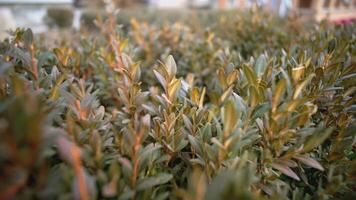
x,y
187,123
148,183
127,194
181,145
206,132
148,152
260,65
260,110
126,167
162,196
318,137
44,58
28,37
22,55
195,144
332,45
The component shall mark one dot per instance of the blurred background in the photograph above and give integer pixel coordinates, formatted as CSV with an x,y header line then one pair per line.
x,y
44,15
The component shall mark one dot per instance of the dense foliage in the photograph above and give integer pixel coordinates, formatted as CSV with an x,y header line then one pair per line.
x,y
252,107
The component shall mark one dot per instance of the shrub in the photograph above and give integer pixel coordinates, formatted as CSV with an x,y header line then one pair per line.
x,y
99,124
59,17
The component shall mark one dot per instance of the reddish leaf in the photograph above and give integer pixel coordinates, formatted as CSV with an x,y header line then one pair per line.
x,y
285,170
310,162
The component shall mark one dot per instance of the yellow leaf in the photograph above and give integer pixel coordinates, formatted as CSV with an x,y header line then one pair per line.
x,y
222,78
292,105
231,78
201,101
225,94
194,95
255,97
297,73
278,92
300,87
190,79
230,117
250,75
123,44
173,88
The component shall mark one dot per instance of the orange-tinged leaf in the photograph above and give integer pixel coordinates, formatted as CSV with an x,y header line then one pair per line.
x,y
194,95
71,153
